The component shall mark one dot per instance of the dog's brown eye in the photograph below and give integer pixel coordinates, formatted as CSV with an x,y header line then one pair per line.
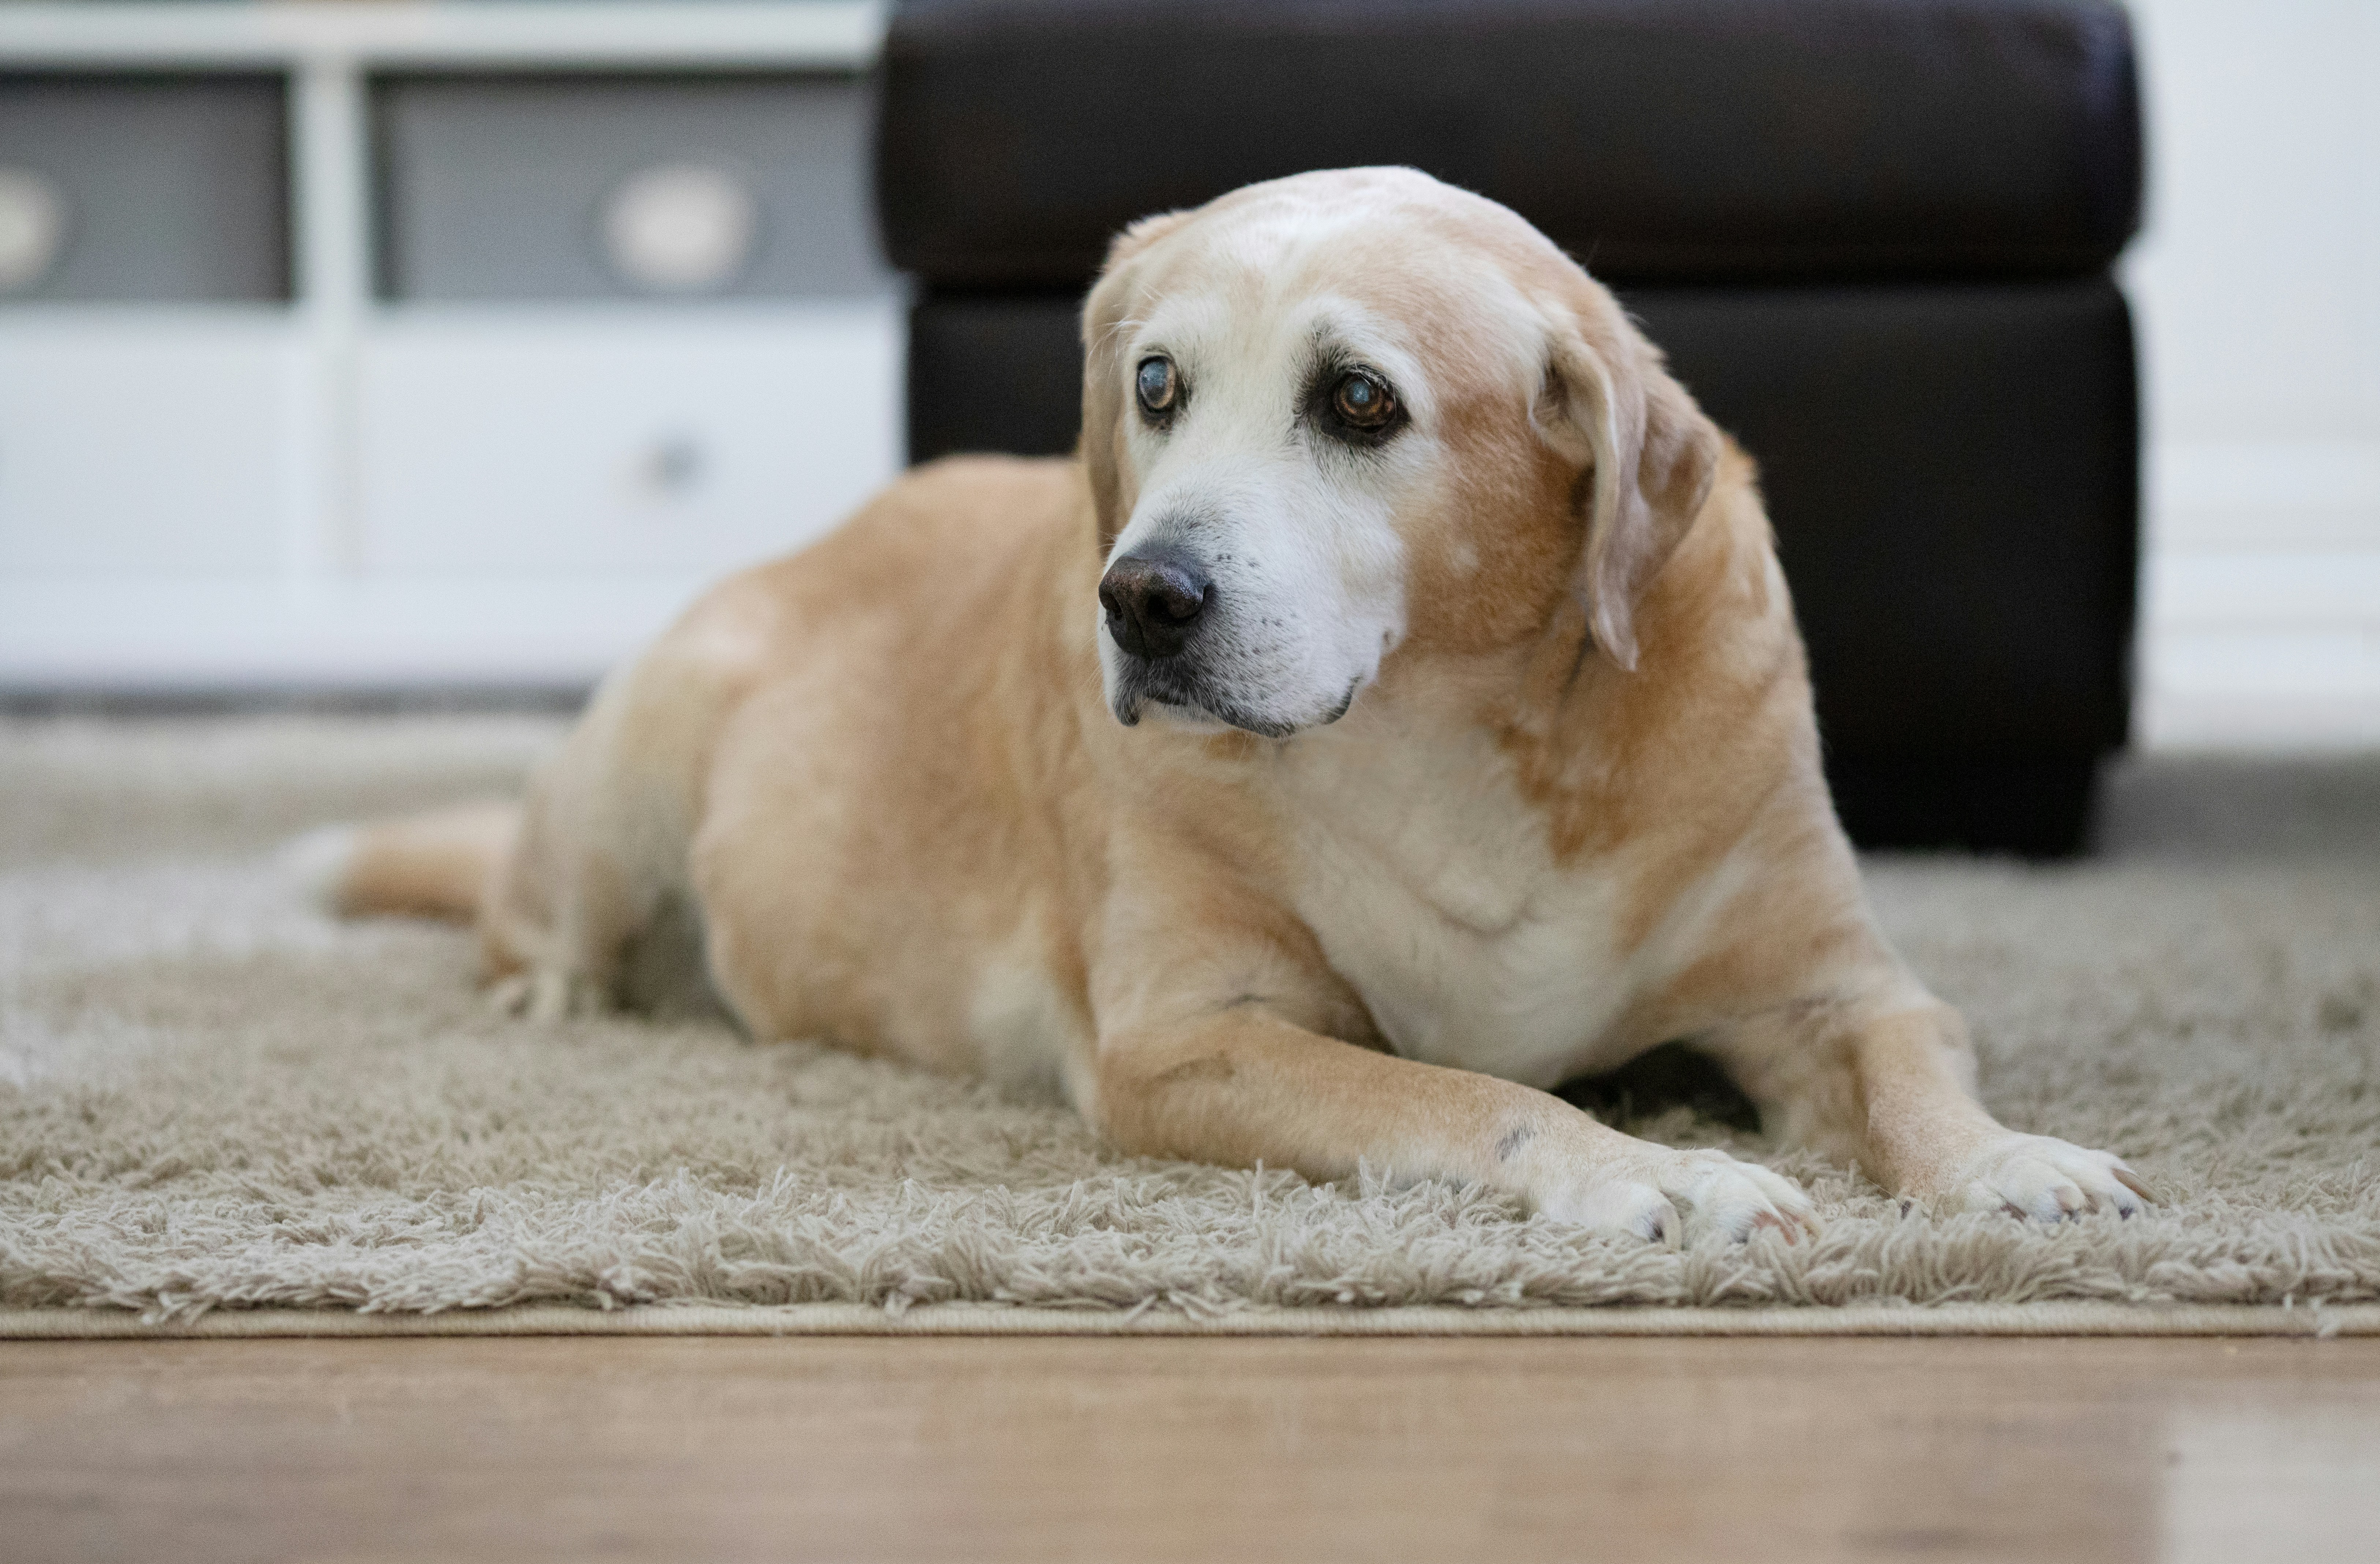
x,y
1363,401
1156,386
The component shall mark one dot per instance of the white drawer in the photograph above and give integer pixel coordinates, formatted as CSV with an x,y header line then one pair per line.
x,y
498,187
575,442
169,186
139,444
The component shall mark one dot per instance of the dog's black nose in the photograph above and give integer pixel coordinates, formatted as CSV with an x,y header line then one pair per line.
x,y
1153,601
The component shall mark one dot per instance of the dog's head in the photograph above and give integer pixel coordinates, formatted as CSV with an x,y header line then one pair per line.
x,y
1351,415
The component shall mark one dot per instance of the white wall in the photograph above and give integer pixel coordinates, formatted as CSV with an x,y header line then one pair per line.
x,y
2258,289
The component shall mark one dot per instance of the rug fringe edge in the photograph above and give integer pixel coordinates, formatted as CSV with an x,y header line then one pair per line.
x,y
2079,1318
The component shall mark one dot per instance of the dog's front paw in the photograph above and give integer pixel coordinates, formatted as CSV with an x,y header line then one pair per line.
x,y
545,995
2048,1180
1679,1196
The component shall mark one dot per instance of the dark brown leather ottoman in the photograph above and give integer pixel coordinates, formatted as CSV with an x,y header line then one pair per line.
x,y
1874,236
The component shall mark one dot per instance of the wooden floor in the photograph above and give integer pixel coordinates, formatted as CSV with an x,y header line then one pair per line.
x,y
733,1449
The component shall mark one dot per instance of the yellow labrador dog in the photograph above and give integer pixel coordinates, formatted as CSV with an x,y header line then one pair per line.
x,y
1393,710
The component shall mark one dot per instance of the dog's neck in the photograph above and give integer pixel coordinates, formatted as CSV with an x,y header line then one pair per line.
x,y
1598,749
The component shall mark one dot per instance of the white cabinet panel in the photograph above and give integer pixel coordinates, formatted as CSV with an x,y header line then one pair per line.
x,y
594,442
139,445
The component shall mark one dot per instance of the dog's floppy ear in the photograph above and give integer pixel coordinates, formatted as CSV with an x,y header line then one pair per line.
x,y
1650,456
1102,442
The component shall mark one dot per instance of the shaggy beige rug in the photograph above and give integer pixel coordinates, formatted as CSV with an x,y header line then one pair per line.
x,y
214,1099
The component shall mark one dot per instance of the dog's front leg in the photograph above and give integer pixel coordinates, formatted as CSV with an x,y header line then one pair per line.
x,y
1240,1085
1886,1081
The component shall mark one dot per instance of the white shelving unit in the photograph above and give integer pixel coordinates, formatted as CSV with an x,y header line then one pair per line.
x,y
341,491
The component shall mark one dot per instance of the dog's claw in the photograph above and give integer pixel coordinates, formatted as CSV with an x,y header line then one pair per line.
x,y
2042,1179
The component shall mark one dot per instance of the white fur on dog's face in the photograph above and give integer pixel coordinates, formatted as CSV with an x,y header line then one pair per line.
x,y
1304,524
1295,526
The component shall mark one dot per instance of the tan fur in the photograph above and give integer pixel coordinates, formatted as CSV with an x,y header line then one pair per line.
x,y
1576,811
436,864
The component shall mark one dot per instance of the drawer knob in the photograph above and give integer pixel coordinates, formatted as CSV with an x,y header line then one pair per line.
x,y
32,229
680,228
673,467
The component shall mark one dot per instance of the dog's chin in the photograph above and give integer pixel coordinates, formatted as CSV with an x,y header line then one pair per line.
x,y
1139,698
1184,716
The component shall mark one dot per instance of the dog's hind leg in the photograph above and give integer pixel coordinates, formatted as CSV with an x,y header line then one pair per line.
x,y
599,852
565,884
559,884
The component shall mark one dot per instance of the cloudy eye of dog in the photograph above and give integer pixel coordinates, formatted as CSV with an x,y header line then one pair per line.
x,y
1363,401
1356,407
1158,386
